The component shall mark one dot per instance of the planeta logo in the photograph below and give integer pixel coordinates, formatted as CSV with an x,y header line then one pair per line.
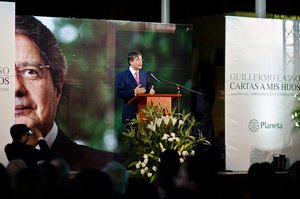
x,y
253,125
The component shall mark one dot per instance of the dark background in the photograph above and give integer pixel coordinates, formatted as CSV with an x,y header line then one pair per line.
x,y
149,11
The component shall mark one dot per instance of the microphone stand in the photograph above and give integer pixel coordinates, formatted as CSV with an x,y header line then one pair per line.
x,y
178,87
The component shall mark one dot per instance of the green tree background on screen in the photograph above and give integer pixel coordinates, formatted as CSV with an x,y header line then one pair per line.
x,y
96,50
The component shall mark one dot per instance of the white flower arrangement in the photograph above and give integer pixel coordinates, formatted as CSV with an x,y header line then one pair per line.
x,y
295,115
157,132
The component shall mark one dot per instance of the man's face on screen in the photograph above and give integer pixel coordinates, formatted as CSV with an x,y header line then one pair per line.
x,y
36,98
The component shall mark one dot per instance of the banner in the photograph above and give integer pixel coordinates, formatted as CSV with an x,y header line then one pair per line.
x,y
7,61
261,78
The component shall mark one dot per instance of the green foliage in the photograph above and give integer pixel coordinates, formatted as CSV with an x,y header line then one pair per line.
x,y
295,115
159,131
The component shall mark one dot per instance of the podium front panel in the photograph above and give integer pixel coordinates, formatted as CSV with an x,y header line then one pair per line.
x,y
165,102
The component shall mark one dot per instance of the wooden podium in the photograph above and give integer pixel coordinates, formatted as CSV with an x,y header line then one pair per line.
x,y
144,99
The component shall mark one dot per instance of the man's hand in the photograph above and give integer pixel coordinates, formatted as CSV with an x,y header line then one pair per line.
x,y
152,91
138,90
38,134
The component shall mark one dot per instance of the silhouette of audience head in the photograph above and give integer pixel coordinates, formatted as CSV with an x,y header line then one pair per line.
x,y
28,184
195,175
262,180
62,167
4,181
15,166
167,169
50,177
92,183
293,182
294,173
119,176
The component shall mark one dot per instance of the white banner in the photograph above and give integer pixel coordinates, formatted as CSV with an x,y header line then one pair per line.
x,y
7,71
261,78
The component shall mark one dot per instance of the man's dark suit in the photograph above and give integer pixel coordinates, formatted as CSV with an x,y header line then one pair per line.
x,y
80,156
125,85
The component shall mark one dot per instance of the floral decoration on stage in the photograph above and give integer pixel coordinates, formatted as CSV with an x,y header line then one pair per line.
x,y
159,131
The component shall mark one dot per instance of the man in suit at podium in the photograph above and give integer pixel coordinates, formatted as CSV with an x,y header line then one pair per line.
x,y
130,83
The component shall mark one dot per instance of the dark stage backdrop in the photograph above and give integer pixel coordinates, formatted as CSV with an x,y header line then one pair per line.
x,y
96,50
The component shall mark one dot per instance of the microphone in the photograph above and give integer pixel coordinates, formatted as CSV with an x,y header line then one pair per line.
x,y
156,79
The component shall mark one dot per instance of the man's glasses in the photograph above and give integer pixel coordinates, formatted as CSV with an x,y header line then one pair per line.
x,y
31,72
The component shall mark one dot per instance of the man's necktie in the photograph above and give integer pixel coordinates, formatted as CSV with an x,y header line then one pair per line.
x,y
137,77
